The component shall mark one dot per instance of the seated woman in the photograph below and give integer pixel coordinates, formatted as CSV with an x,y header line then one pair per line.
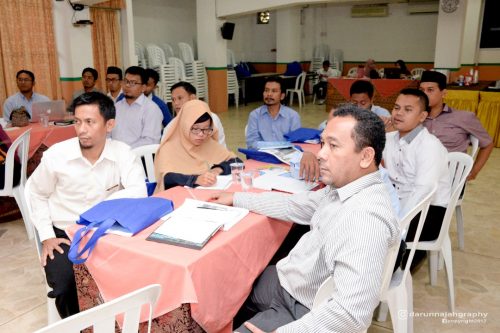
x,y
404,70
190,154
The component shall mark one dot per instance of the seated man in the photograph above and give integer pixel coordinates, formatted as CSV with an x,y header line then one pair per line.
x,y
451,126
114,79
271,121
89,78
361,93
370,70
73,176
138,119
417,161
151,83
323,74
181,93
25,97
352,228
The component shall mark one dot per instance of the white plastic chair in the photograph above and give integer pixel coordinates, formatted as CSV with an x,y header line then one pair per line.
x,y
147,153
353,72
381,72
459,166
396,289
397,295
140,52
186,52
102,317
232,86
21,145
52,313
299,89
156,56
417,72
458,209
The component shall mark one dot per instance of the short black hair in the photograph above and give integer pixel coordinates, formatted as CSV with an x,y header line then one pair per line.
x,y
91,71
151,73
186,85
136,70
362,87
276,79
27,72
369,130
115,70
422,97
204,117
106,105
326,63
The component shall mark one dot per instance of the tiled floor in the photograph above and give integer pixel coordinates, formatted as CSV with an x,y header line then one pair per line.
x,y
477,269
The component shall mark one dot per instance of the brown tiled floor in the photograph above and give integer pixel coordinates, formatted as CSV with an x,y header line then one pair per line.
x,y
477,269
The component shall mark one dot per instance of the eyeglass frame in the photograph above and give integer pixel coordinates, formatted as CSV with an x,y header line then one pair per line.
x,y
128,83
206,131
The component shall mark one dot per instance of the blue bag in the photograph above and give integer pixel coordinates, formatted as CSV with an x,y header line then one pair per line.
x,y
262,156
302,134
127,215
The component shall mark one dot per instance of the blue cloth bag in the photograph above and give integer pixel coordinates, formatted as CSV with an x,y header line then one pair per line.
x,y
262,156
302,134
129,215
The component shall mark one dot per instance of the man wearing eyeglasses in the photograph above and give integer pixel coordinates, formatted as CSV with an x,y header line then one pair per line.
x,y
114,78
25,97
138,119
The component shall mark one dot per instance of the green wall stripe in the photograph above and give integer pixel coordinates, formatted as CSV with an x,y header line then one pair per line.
x,y
70,79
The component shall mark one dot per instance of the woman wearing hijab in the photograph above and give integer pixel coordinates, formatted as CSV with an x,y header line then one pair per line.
x,y
402,65
190,155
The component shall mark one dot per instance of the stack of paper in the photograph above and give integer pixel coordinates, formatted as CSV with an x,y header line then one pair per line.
x,y
223,182
195,222
282,181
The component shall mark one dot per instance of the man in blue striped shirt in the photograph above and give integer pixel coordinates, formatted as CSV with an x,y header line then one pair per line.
x,y
352,228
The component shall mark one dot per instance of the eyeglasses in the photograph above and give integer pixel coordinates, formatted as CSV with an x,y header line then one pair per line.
x,y
114,80
131,83
24,80
205,131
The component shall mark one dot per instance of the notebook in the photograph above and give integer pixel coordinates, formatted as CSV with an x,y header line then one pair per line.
x,y
55,109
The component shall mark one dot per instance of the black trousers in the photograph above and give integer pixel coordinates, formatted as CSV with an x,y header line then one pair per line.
x,y
61,278
320,93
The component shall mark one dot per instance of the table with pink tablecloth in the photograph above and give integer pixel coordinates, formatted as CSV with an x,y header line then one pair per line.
x,y
43,135
215,280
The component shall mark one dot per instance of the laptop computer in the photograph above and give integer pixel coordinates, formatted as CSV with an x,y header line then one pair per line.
x,y
392,73
55,109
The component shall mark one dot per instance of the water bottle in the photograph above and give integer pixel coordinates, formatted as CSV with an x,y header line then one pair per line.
x,y
295,165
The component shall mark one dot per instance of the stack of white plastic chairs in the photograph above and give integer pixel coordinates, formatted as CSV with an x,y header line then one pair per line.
x,y
156,56
232,85
168,49
140,52
337,59
197,73
186,52
231,59
321,51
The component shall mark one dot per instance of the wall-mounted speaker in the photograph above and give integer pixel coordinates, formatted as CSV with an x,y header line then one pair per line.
x,y
227,30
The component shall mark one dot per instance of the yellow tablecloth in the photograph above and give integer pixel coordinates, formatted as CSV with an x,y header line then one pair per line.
x,y
462,100
488,113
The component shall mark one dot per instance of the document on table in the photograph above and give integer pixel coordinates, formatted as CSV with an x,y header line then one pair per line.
x,y
195,222
223,182
282,181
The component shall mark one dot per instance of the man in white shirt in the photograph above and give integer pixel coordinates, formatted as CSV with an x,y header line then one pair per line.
x,y
323,75
352,228
114,78
73,176
138,119
361,93
417,161
181,93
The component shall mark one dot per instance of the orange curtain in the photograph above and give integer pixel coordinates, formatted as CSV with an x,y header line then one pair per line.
x,y
106,43
27,42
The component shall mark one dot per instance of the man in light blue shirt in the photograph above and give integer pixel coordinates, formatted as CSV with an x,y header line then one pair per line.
x,y
272,120
25,97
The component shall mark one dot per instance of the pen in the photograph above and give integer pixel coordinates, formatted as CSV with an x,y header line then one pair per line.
x,y
212,207
190,192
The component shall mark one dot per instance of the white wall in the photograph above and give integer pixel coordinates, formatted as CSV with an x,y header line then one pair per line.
x,y
160,21
252,41
397,36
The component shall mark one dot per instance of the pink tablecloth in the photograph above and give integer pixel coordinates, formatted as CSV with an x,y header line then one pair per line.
x,y
43,135
385,87
215,280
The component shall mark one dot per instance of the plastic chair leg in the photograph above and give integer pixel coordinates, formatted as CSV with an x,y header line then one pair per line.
x,y
448,260
52,313
433,266
383,308
18,193
460,226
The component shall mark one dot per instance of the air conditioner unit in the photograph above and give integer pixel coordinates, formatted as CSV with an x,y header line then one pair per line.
x,y
423,8
370,10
